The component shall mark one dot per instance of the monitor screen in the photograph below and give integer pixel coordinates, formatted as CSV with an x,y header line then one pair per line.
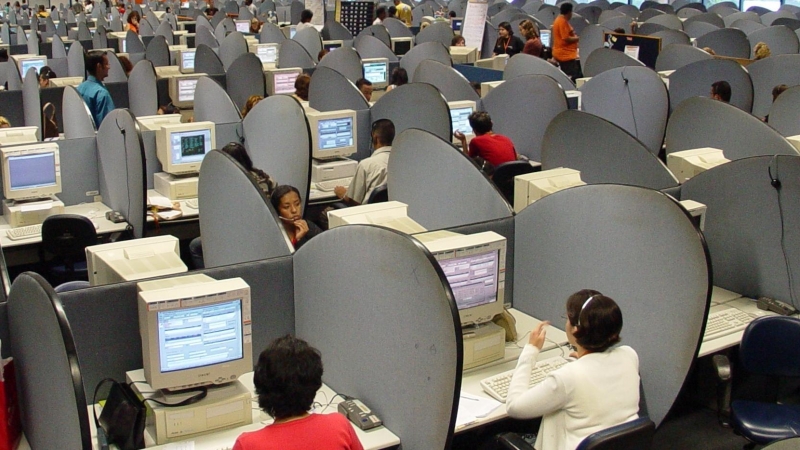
x,y
456,24
187,59
243,26
335,133
36,63
459,117
190,146
473,278
376,72
186,89
544,35
32,171
268,54
189,338
284,82
331,46
401,47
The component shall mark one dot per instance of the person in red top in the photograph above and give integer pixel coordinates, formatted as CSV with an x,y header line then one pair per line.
x,y
287,377
565,43
494,148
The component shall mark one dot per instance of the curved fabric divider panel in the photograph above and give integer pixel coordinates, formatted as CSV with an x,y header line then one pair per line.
x,y
206,61
31,108
222,28
33,42
784,115
232,47
741,15
602,152
748,26
770,17
51,394
245,77
203,22
675,56
416,172
142,90
379,32
401,106
750,256
686,13
271,34
780,39
547,15
278,140
76,64
429,50
396,28
75,115
650,28
590,13
591,39
100,38
409,362
371,47
212,103
133,44
310,39
226,191
522,64
793,24
623,22
347,62
701,122
158,51
116,73
660,269
440,32
490,35
334,30
59,51
726,42
145,28
710,18
122,168
604,59
647,14
695,79
510,107
633,98
451,83
668,20
165,29
698,28
292,54
768,73
204,36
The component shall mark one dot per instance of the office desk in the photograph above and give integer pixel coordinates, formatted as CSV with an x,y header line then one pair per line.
x,y
316,197
185,227
745,304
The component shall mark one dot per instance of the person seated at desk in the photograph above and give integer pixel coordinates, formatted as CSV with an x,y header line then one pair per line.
x,y
169,108
287,377
301,85
286,201
4,123
493,148
721,90
305,20
93,92
371,172
365,87
133,21
597,391
251,103
458,41
399,77
255,26
45,74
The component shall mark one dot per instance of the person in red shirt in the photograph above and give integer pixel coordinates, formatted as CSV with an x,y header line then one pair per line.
x,y
493,148
287,377
565,43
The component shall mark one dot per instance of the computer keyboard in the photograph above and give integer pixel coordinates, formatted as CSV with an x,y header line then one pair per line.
x,y
725,322
192,203
497,385
327,186
30,231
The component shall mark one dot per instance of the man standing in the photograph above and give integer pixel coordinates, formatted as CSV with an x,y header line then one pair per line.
x,y
565,43
93,91
371,172
403,12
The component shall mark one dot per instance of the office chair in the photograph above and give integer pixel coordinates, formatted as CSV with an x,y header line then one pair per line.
x,y
66,236
379,195
634,435
504,176
769,347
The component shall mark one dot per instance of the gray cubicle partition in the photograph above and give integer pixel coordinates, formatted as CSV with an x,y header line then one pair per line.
x,y
510,106
222,26
401,106
672,37
293,54
206,61
407,365
75,115
522,64
271,34
695,79
768,73
158,52
52,399
634,98
668,20
675,56
699,28
206,37
635,245
603,152
438,198
142,91
648,29
740,15
377,31
440,32
591,39
347,62
59,51
429,50
702,122
331,91
784,115
751,227
371,47
278,139
245,77
31,105
310,39
232,47
122,168
770,17
212,103
133,44
781,40
708,17
76,64
116,73
604,59
165,29
490,36
234,205
451,83
100,38
748,26
79,170
397,28
726,42
334,30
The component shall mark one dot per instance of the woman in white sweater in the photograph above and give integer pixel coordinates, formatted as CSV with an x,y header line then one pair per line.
x,y
597,391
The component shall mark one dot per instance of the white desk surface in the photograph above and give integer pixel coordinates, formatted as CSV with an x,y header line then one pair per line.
x,y
188,212
745,304
317,195
95,211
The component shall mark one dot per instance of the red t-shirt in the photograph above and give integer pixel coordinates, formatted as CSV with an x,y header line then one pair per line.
x,y
317,431
496,149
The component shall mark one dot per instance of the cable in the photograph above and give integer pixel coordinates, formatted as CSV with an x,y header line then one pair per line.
x,y
630,100
776,183
127,172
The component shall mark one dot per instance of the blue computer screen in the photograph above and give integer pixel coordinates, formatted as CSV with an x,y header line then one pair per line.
x,y
32,171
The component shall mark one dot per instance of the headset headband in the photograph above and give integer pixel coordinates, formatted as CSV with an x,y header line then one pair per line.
x,y
584,307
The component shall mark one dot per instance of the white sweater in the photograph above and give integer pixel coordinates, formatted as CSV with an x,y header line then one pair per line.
x,y
598,391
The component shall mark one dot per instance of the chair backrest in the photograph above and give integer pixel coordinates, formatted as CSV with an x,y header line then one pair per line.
x,y
379,195
504,177
768,346
67,235
634,435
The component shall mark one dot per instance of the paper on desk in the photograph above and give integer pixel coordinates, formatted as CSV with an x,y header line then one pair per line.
x,y
186,445
159,201
169,215
472,407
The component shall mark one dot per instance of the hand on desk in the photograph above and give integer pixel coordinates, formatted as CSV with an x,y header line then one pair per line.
x,y
538,335
340,191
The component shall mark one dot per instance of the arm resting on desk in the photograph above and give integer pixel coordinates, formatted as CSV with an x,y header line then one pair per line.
x,y
527,403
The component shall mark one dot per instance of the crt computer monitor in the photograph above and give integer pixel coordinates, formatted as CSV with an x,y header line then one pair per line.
x,y
401,46
181,147
333,133
544,36
181,89
31,171
689,163
242,26
376,71
155,122
133,260
27,62
18,135
267,53
281,81
332,45
186,60
459,117
456,23
195,332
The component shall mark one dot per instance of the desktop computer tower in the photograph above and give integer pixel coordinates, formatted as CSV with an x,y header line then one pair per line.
x,y
175,188
483,344
332,170
31,213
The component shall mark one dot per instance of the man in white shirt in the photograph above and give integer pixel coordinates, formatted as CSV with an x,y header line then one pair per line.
x,y
251,7
371,172
305,20
380,14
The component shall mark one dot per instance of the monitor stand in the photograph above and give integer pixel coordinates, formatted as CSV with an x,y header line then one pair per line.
x,y
20,213
332,169
176,187
483,344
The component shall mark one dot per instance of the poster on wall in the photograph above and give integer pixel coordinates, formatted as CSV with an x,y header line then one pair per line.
x,y
474,20
318,8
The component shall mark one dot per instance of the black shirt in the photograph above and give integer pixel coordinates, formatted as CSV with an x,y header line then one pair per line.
x,y
514,46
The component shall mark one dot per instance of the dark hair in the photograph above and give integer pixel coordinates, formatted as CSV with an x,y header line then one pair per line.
x,y
3,54
363,82
723,89
94,58
127,65
169,108
565,8
506,26
481,122
46,73
384,130
778,90
238,152
392,11
456,40
399,76
287,376
301,86
451,14
306,15
599,321
279,192
134,14
380,11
